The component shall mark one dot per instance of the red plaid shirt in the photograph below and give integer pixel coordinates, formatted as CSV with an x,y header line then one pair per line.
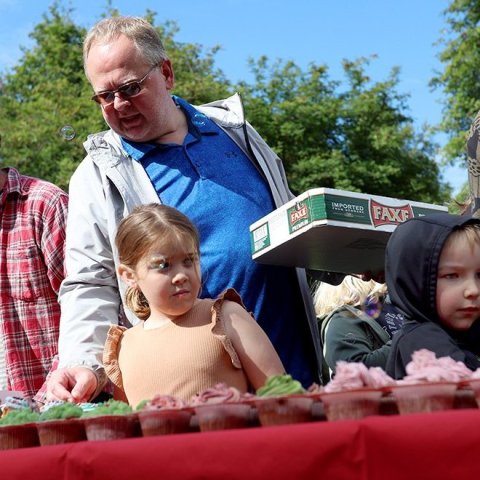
x,y
32,246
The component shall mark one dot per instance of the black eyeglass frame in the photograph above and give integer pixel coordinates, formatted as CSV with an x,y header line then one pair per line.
x,y
123,90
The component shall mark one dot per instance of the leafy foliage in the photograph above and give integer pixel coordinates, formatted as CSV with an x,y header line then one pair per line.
x,y
459,79
352,135
356,139
48,90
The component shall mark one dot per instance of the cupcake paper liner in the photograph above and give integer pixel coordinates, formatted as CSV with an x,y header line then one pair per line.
x,y
424,397
221,416
164,421
18,436
111,427
52,432
351,404
285,409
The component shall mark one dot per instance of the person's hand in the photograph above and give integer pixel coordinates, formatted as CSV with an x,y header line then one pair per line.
x,y
75,384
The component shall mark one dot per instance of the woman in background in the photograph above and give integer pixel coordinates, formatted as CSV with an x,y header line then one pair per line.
x,y
356,322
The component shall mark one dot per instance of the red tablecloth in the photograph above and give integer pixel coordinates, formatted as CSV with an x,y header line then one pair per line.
x,y
443,445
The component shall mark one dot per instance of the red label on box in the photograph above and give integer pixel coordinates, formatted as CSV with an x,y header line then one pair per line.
x,y
388,215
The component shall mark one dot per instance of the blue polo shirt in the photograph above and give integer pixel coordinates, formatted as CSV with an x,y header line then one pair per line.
x,y
215,184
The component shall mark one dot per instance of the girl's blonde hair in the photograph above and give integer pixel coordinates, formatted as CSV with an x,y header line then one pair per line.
x,y
352,291
146,226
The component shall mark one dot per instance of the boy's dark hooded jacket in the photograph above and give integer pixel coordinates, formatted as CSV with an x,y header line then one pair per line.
x,y
411,266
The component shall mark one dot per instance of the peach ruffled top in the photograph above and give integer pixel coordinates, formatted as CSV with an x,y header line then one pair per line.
x,y
182,358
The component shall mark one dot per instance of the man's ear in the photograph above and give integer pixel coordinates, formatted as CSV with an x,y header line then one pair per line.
x,y
167,71
127,275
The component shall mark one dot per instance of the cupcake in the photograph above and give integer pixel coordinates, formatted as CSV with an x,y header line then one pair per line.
x,y
18,429
283,400
60,423
164,414
424,397
222,407
430,384
355,392
351,404
111,420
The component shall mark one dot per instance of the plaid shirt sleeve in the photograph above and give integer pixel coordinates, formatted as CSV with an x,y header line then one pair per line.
x,y
52,239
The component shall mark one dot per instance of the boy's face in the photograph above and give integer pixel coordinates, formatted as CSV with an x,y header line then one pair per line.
x,y
458,284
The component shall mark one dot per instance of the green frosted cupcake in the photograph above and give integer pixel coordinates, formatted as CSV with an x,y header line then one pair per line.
x,y
20,416
110,407
63,411
280,385
18,429
61,424
283,400
111,420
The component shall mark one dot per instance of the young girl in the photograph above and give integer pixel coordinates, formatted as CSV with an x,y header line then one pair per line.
x,y
433,276
184,344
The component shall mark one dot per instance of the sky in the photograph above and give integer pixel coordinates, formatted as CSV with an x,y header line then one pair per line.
x,y
399,33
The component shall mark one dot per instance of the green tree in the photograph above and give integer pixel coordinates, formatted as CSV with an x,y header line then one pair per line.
x,y
47,90
353,136
459,79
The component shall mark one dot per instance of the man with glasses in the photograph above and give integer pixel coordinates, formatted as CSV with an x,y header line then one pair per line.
x,y
206,161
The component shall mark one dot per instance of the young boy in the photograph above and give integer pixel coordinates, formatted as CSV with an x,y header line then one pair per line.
x,y
432,270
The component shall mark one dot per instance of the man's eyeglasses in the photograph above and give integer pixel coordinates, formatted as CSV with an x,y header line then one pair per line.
x,y
127,90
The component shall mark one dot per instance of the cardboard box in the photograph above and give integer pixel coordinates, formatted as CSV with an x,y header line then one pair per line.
x,y
332,230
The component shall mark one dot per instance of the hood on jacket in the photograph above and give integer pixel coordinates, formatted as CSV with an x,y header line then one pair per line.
x,y
411,262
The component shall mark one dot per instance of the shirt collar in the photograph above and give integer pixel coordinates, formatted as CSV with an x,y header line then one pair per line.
x,y
13,184
198,125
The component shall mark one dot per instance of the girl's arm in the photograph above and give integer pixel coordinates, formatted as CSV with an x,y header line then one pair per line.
x,y
257,355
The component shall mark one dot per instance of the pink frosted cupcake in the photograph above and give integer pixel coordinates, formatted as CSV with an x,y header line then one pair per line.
x,y
430,384
164,414
222,407
355,392
352,404
424,397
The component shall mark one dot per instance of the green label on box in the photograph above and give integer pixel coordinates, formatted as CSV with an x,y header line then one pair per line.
x,y
347,209
260,238
421,212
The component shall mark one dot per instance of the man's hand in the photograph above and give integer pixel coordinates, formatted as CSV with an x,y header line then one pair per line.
x,y
75,384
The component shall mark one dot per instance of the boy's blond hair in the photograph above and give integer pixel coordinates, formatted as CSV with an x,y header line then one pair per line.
x,y
469,231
